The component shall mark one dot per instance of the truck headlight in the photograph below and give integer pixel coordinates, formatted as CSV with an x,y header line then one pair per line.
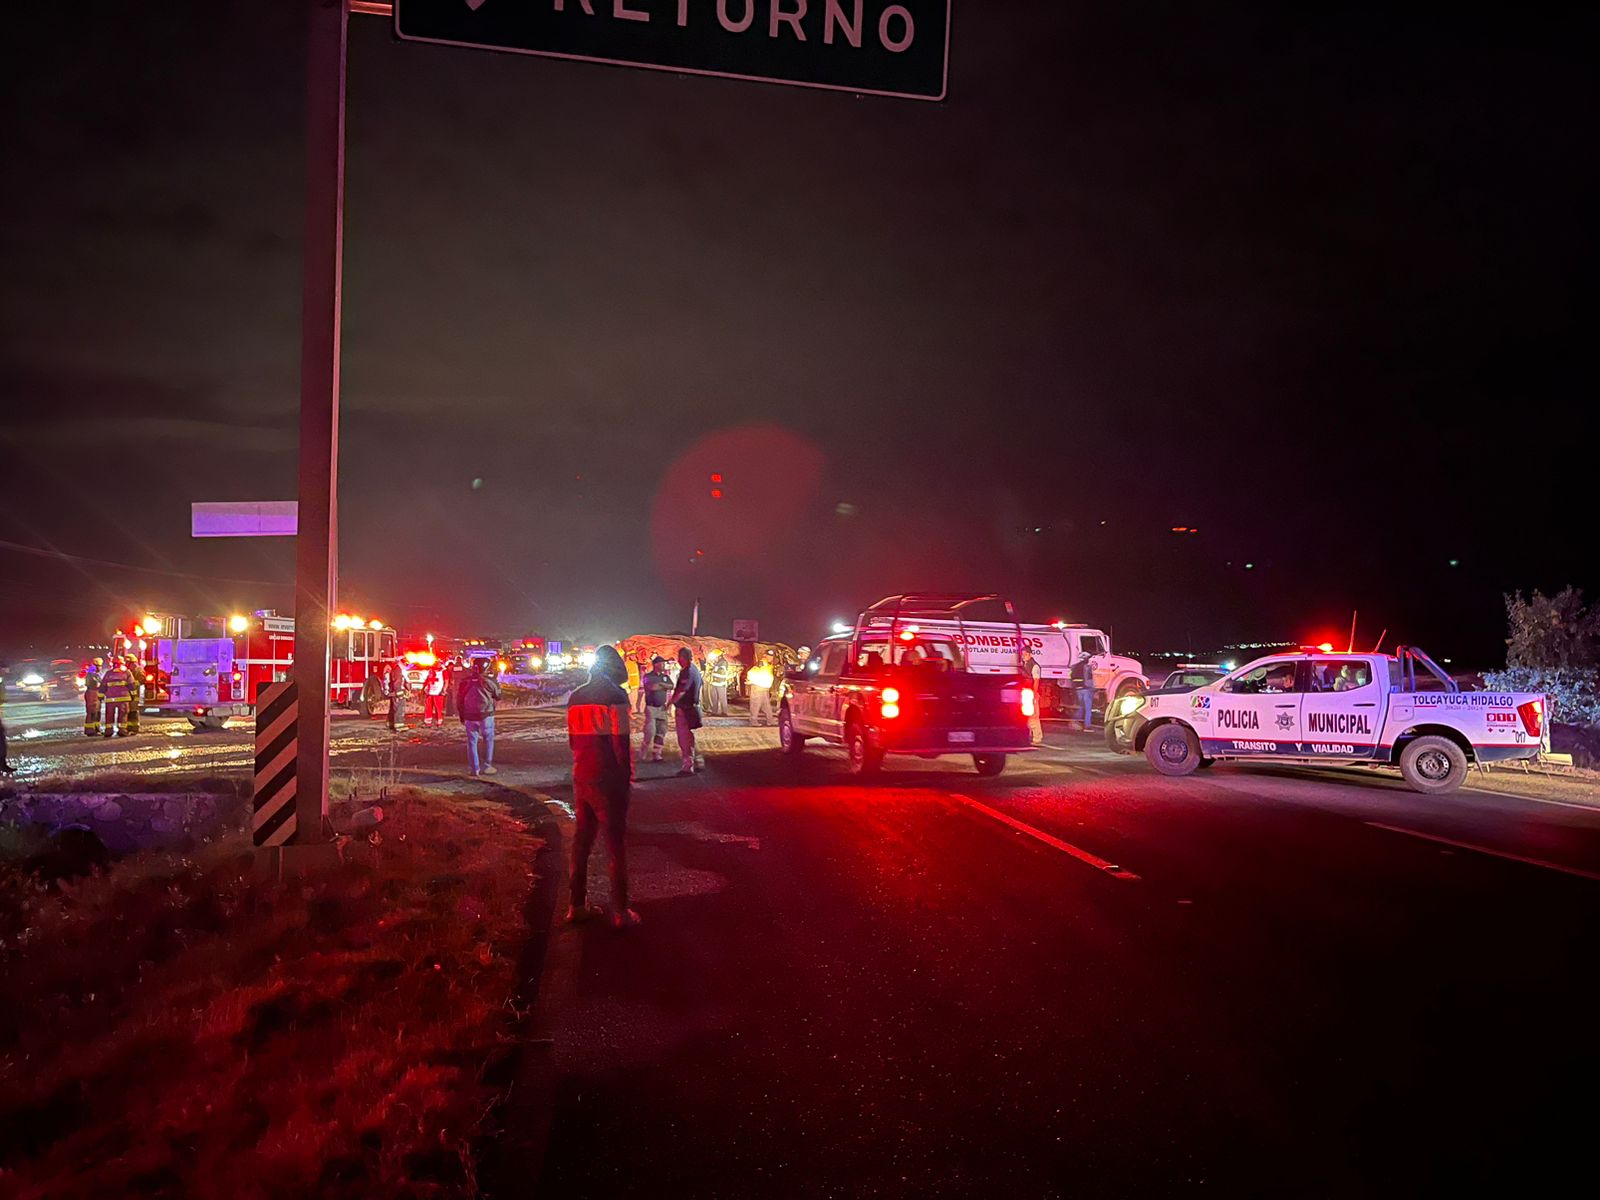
x,y
32,680
1129,705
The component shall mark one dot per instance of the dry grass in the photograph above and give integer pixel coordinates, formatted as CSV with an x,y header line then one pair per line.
x,y
181,1027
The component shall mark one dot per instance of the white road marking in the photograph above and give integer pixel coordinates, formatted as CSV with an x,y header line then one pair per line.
x,y
1083,856
1506,854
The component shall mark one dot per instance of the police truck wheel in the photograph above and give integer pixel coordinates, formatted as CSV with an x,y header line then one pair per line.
x,y
989,765
1119,739
1173,750
791,741
1433,765
864,760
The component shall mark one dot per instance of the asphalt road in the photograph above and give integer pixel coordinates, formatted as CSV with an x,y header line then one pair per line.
x,y
1077,980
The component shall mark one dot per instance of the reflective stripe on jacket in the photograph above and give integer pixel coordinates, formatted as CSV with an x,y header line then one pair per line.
x,y
114,685
598,729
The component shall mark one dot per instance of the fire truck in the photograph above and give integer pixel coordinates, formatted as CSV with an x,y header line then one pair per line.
x,y
226,667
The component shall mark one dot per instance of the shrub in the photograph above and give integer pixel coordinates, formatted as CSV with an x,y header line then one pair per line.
x,y
1574,696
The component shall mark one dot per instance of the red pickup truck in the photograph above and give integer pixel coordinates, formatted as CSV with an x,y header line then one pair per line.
x,y
887,686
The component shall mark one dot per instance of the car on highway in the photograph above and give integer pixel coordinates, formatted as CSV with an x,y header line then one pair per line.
x,y
889,686
1321,708
1185,678
43,679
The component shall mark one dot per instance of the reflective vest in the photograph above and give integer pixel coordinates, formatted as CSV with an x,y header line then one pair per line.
x,y
115,685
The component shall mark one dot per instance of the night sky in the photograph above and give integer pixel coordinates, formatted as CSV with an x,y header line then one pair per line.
x,y
1310,282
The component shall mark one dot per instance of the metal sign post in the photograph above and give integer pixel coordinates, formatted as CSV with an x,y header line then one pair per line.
x,y
317,547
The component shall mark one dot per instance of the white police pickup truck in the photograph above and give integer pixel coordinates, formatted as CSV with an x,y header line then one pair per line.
x,y
1362,709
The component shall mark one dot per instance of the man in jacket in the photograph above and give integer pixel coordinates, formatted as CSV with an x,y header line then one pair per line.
x,y
398,688
475,700
91,699
598,731
655,689
136,681
433,696
686,714
1029,667
114,687
1083,681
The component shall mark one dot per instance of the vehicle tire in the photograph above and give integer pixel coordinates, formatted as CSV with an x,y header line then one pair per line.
x,y
1119,736
364,707
1433,765
1173,750
989,765
864,760
791,741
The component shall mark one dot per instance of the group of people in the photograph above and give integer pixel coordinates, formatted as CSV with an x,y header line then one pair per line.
x,y
113,695
1079,686
439,688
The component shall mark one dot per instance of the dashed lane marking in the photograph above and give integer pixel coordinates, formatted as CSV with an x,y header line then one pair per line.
x,y
1506,854
1077,852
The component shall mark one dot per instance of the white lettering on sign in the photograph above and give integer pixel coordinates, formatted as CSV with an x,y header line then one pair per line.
x,y
834,16
730,26
897,28
791,19
908,29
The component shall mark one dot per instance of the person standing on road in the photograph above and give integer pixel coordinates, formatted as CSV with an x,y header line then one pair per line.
x,y
599,732
686,713
760,679
91,699
135,692
433,696
114,687
475,700
1083,681
1029,666
396,685
717,685
655,690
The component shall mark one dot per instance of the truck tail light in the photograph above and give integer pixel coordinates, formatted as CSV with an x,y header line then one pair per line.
x,y
1030,703
891,703
1532,714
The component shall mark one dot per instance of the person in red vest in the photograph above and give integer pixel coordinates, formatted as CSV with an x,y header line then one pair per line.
x,y
599,731
433,690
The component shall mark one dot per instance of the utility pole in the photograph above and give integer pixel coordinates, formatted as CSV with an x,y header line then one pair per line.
x,y
317,545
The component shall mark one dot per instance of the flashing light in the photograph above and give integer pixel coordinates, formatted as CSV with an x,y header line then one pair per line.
x,y
32,680
908,635
429,638
534,662
1325,647
716,493
138,631
238,624
421,658
501,665
152,624
841,627
341,622
716,477
1227,666
1029,706
357,622
891,703
374,624
586,659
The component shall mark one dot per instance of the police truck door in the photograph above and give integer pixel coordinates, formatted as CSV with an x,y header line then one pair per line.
x,y
1256,711
1341,709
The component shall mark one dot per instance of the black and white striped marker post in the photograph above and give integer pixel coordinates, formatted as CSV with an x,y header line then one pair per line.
x,y
277,744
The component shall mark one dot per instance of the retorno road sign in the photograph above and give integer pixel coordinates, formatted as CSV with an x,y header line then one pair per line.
x,y
871,46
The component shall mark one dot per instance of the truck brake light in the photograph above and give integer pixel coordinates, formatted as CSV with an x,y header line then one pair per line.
x,y
1532,714
891,703
1029,704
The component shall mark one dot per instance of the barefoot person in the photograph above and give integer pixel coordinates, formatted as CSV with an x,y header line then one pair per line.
x,y
599,731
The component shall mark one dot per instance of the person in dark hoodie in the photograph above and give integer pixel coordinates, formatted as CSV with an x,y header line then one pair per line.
x,y
598,730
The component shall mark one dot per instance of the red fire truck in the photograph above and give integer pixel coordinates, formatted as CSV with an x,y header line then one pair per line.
x,y
227,667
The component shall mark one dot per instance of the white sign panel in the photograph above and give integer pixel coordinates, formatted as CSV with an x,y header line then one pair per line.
x,y
255,518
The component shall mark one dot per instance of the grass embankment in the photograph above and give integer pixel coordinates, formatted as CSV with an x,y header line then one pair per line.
x,y
181,1027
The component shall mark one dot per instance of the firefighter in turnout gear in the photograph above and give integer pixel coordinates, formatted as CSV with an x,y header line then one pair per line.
x,y
114,687
91,699
136,682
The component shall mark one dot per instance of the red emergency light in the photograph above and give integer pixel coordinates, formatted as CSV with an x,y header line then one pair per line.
x,y
1029,704
891,703
1532,715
